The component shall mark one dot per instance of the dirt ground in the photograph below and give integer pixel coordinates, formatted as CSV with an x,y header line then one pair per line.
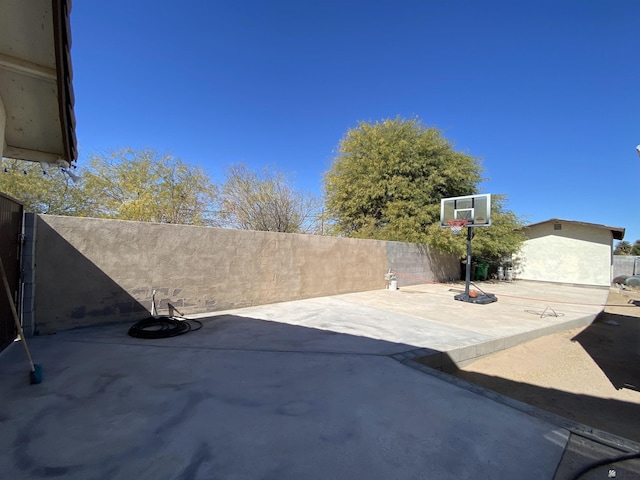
x,y
590,374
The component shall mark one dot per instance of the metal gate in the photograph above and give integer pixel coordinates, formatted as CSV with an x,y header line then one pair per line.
x,y
10,230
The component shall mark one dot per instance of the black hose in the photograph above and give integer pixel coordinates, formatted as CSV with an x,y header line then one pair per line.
x,y
162,327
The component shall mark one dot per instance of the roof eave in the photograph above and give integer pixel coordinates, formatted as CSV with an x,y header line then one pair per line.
x,y
617,232
64,73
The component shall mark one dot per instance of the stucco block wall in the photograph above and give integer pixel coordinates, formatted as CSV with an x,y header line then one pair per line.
x,y
91,271
416,264
626,265
574,254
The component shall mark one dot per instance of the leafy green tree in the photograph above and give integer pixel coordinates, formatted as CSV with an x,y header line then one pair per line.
x,y
265,201
388,179
635,250
42,188
505,235
623,248
142,185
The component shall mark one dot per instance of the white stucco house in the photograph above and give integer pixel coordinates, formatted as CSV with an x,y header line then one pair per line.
x,y
567,251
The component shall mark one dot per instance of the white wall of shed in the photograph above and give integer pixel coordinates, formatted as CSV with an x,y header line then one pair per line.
x,y
574,254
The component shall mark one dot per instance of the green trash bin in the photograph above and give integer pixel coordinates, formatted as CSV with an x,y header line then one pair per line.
x,y
482,269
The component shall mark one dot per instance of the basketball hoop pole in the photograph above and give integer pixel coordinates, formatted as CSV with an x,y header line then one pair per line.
x,y
467,211
467,275
482,298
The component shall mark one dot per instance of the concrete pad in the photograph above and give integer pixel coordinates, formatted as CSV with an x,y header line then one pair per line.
x,y
427,316
305,389
109,409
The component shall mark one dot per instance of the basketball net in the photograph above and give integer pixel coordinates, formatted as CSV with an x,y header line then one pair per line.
x,y
456,226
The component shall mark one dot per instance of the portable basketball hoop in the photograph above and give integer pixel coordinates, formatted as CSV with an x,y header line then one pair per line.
x,y
468,211
456,226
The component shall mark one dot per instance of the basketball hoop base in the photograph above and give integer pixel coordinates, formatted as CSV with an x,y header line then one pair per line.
x,y
482,298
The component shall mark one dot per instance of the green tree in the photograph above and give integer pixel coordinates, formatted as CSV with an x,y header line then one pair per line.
x,y
504,237
142,185
623,248
42,188
388,179
265,201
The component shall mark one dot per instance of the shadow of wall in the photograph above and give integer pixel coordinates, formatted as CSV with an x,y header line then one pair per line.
x,y
610,415
613,342
72,291
244,371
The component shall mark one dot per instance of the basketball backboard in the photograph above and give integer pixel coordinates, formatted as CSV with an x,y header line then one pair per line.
x,y
475,209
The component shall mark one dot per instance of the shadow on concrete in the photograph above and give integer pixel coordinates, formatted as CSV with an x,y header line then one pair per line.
x,y
582,453
76,289
613,416
196,393
613,341
251,398
586,446
241,333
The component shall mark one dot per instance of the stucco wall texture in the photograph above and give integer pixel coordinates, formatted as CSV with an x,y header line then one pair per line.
x,y
91,271
572,254
626,265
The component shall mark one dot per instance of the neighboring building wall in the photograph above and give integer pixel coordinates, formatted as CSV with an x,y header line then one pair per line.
x,y
91,271
574,254
626,265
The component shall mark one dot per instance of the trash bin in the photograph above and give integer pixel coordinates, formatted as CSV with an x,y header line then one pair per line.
x,y
481,272
509,277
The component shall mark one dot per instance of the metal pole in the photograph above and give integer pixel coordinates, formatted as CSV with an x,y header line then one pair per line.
x,y
468,272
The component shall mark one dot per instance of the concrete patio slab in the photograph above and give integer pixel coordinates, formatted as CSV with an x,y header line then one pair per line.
x,y
307,389
426,321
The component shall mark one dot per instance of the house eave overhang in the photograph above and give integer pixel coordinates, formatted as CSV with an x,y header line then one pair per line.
x,y
616,232
36,81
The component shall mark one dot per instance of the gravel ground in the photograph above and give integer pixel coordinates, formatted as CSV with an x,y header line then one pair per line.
x,y
590,375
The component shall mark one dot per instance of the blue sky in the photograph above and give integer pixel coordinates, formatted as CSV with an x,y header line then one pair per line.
x,y
545,93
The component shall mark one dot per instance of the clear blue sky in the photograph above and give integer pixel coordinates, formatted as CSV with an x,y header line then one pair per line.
x,y
546,93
